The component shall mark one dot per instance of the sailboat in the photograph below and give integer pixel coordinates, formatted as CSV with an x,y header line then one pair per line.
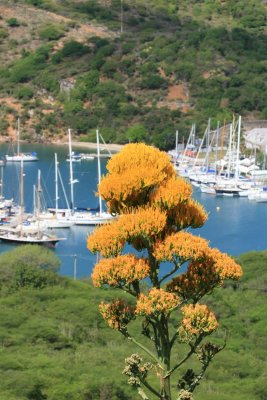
x,y
49,219
87,217
18,157
236,185
29,233
83,216
75,157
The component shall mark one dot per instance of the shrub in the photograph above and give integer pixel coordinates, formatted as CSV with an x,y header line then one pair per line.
x,y
127,47
153,82
12,22
3,34
28,265
24,92
51,32
91,79
74,49
109,68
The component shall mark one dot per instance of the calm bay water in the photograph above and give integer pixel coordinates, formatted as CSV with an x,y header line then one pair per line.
x,y
237,227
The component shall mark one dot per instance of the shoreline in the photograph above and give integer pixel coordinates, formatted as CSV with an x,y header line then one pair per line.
x,y
109,147
112,147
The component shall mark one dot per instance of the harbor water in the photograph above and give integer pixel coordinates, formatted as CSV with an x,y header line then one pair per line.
x,y
235,225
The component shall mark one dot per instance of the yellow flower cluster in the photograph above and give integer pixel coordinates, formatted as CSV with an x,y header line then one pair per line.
x,y
225,266
120,271
147,222
132,174
144,223
190,213
171,192
197,320
108,239
204,274
181,246
139,154
117,314
200,279
158,301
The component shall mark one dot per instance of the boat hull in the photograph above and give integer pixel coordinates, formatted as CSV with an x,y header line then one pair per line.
x,y
23,157
48,242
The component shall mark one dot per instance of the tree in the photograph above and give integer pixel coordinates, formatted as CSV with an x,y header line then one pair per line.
x,y
28,265
136,133
155,208
153,82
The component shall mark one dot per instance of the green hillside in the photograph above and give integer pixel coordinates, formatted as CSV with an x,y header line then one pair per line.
x,y
55,345
138,72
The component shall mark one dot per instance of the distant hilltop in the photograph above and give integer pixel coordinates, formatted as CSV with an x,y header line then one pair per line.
x,y
136,70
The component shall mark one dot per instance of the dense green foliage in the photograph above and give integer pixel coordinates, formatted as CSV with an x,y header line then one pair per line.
x,y
28,266
216,50
55,344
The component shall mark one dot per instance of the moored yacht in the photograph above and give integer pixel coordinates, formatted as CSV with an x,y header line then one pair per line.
x,y
19,156
23,232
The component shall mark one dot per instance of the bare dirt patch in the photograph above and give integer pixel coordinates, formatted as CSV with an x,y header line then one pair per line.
x,y
178,92
177,98
11,102
31,19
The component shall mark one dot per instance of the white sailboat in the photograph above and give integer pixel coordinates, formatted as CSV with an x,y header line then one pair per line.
x,y
48,219
30,233
18,157
87,217
83,217
74,157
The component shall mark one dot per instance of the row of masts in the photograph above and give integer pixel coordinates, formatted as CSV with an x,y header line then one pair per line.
x,y
55,217
226,175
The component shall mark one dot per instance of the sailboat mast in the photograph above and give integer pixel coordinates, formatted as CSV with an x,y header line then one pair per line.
x,y
230,151
39,194
176,145
21,187
217,144
208,146
18,146
200,147
2,183
21,194
99,168
187,143
238,149
56,183
34,201
71,175
39,201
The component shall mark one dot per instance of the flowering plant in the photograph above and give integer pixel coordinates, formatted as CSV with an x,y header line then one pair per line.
x,y
154,207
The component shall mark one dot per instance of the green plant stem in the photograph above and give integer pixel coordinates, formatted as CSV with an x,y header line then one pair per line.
x,y
165,355
193,348
142,393
198,378
129,337
170,273
152,390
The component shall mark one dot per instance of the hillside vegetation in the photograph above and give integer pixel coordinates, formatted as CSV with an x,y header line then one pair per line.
x,y
56,346
138,72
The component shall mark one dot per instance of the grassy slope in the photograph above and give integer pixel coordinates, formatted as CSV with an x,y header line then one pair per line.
x,y
55,345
